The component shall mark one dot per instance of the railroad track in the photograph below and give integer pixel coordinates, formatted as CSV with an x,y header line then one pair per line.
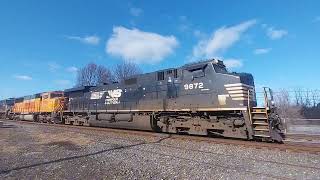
x,y
291,144
305,137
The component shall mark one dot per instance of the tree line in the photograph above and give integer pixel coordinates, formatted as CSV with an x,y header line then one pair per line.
x,y
298,103
93,74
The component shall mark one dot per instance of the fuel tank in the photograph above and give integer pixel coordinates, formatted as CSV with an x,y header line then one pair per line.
x,y
124,121
27,117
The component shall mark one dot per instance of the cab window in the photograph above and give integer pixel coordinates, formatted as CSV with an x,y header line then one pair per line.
x,y
198,72
160,76
56,95
45,96
220,69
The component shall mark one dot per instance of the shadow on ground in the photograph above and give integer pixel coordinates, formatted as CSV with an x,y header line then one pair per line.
x,y
8,126
80,156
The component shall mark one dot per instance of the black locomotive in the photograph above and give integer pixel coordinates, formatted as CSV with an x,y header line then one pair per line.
x,y
200,98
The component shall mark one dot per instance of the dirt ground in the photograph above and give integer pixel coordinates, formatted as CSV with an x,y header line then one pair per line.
x,y
36,151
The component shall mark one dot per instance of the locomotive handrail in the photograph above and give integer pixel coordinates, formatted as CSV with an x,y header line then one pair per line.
x,y
266,101
249,108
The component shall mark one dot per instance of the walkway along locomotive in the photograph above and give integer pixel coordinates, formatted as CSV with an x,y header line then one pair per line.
x,y
200,98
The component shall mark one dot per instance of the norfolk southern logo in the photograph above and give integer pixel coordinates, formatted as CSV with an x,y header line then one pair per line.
x,y
97,95
113,96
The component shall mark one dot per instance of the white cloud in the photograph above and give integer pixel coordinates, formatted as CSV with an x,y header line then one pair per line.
x,y
139,46
276,33
23,77
62,82
262,51
135,11
220,40
233,63
91,40
72,69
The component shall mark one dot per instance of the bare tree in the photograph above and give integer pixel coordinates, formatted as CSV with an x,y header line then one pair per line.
x,y
283,102
125,70
307,101
92,75
286,108
314,96
104,75
298,96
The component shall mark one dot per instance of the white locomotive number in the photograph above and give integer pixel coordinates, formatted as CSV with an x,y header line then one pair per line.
x,y
193,86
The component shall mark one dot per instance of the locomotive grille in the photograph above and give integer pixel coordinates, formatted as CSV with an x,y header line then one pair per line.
x,y
239,91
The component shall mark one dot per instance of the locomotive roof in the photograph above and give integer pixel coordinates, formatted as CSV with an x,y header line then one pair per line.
x,y
37,95
186,66
86,88
8,99
81,88
215,61
201,62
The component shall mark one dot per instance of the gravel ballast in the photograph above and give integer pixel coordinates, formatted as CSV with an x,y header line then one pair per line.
x,y
36,151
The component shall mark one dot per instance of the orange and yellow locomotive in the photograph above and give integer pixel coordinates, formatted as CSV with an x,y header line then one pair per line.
x,y
44,107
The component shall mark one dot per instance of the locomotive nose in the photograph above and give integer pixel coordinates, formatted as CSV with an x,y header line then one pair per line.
x,y
247,79
243,90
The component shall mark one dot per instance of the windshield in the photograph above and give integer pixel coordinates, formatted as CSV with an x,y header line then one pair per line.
x,y
220,69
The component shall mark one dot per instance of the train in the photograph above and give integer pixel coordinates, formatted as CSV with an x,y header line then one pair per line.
x,y
201,98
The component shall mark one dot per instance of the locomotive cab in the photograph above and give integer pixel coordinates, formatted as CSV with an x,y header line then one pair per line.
x,y
211,79
51,101
228,98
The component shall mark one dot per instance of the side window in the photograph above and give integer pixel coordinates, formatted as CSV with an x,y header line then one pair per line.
x,y
55,95
160,76
197,73
220,69
175,73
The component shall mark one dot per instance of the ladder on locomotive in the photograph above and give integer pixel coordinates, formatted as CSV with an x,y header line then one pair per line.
x,y
260,116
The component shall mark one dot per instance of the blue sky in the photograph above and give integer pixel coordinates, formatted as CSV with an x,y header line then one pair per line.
x,y
42,43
